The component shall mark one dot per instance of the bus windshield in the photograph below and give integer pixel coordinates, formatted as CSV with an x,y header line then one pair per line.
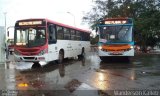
x,y
30,37
116,34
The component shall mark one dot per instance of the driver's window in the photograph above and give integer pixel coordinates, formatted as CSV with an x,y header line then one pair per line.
x,y
32,34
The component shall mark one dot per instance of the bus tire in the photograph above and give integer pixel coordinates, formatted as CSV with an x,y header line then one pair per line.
x,y
82,55
36,65
102,58
10,52
60,57
127,59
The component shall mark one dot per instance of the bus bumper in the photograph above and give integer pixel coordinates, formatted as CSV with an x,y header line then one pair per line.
x,y
125,53
30,58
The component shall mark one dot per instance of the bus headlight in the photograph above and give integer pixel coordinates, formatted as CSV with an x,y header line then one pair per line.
x,y
99,47
43,52
131,47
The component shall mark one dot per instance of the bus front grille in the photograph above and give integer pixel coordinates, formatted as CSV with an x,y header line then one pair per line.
x,y
29,58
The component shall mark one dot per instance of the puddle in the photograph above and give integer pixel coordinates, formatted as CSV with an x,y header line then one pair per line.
x,y
137,63
37,84
72,85
152,73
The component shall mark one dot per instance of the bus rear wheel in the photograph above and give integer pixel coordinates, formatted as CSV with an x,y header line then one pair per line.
x,y
61,57
83,52
82,55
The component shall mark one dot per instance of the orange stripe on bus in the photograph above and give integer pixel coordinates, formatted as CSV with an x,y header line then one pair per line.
x,y
116,47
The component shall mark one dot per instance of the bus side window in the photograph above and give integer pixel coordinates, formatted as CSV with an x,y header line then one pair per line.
x,y
52,34
66,34
59,32
85,36
82,36
73,35
78,37
88,36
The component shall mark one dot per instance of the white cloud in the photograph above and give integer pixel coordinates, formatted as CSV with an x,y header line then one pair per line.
x,y
52,9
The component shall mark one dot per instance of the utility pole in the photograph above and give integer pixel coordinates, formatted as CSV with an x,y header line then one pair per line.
x,y
5,24
73,18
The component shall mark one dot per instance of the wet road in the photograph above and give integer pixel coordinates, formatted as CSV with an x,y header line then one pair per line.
x,y
86,77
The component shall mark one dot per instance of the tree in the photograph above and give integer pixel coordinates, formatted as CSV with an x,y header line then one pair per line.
x,y
94,40
99,10
145,13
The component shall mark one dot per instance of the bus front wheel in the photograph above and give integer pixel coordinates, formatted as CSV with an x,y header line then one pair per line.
x,y
102,58
82,55
36,65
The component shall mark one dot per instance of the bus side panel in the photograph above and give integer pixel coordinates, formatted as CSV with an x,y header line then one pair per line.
x,y
86,45
71,48
52,52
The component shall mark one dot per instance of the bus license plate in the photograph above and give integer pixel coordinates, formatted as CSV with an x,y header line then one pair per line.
x,y
116,53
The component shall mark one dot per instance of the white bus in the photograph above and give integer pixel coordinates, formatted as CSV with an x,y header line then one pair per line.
x,y
45,40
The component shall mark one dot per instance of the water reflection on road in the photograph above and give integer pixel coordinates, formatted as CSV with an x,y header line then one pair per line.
x,y
137,74
91,72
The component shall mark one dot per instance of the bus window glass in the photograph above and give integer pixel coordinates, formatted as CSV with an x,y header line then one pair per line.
x,y
66,34
73,35
37,37
21,37
116,33
78,37
82,36
30,37
88,36
52,34
59,32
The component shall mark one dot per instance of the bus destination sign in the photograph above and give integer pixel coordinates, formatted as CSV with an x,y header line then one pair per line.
x,y
23,23
116,22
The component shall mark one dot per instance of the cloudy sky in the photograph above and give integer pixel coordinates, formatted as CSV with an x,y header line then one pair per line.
x,y
52,9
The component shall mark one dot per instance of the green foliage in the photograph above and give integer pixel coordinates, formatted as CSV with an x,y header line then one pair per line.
x,y
145,13
94,40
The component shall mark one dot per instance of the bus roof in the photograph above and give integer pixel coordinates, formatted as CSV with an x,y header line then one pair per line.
x,y
57,23
121,18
